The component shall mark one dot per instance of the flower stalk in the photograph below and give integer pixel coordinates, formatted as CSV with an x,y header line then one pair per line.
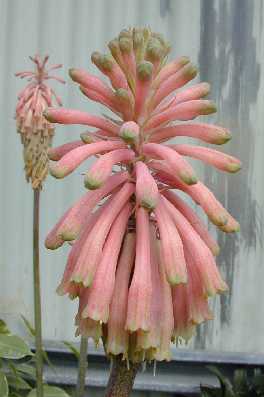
x,y
36,136
83,364
37,295
121,378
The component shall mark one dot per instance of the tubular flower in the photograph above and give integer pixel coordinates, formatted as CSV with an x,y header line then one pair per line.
x,y
142,263
35,131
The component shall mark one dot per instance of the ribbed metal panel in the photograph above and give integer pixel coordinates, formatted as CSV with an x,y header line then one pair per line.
x,y
225,38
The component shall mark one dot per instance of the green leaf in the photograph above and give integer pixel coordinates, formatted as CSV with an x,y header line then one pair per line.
x,y
72,348
26,369
13,347
18,383
258,383
49,391
241,382
209,391
225,383
46,358
3,328
3,386
28,325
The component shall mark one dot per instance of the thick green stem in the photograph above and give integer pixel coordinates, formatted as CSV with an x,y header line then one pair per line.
x,y
37,295
82,367
121,378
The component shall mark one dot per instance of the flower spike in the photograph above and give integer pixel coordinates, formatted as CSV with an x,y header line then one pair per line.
x,y
35,131
142,262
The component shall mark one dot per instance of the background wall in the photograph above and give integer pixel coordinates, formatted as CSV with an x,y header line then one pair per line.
x,y
225,39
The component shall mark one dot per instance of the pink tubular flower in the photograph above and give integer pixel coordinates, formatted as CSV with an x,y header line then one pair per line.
x,y
146,187
35,131
171,247
102,288
139,296
71,223
175,162
70,161
217,159
142,262
129,132
206,132
117,336
102,169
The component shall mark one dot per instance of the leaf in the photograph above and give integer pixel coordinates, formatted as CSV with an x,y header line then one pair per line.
x,y
209,391
241,382
49,391
46,358
27,370
3,386
72,348
17,382
13,347
3,328
225,383
28,325
258,383
12,368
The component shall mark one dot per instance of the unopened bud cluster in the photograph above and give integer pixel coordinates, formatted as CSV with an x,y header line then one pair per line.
x,y
142,263
35,131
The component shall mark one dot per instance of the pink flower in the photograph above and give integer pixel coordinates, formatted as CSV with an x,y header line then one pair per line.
x,y
36,132
142,262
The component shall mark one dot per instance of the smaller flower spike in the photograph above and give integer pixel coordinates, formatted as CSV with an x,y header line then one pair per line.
x,y
36,132
142,262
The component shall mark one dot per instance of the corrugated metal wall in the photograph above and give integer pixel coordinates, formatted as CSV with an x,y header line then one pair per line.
x,y
225,38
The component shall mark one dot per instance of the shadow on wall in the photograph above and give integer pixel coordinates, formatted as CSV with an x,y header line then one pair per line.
x,y
228,60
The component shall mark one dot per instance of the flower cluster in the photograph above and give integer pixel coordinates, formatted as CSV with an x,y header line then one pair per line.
x,y
142,263
36,132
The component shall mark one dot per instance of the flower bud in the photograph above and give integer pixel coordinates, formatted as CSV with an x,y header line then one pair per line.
x,y
129,132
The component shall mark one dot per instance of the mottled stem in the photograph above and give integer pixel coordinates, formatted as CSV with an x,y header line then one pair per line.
x,y
37,296
82,367
121,378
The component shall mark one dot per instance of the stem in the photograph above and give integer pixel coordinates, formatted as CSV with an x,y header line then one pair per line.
x,y
82,367
37,296
121,378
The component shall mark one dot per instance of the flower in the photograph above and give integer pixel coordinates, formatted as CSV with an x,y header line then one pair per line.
x,y
142,262
35,131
